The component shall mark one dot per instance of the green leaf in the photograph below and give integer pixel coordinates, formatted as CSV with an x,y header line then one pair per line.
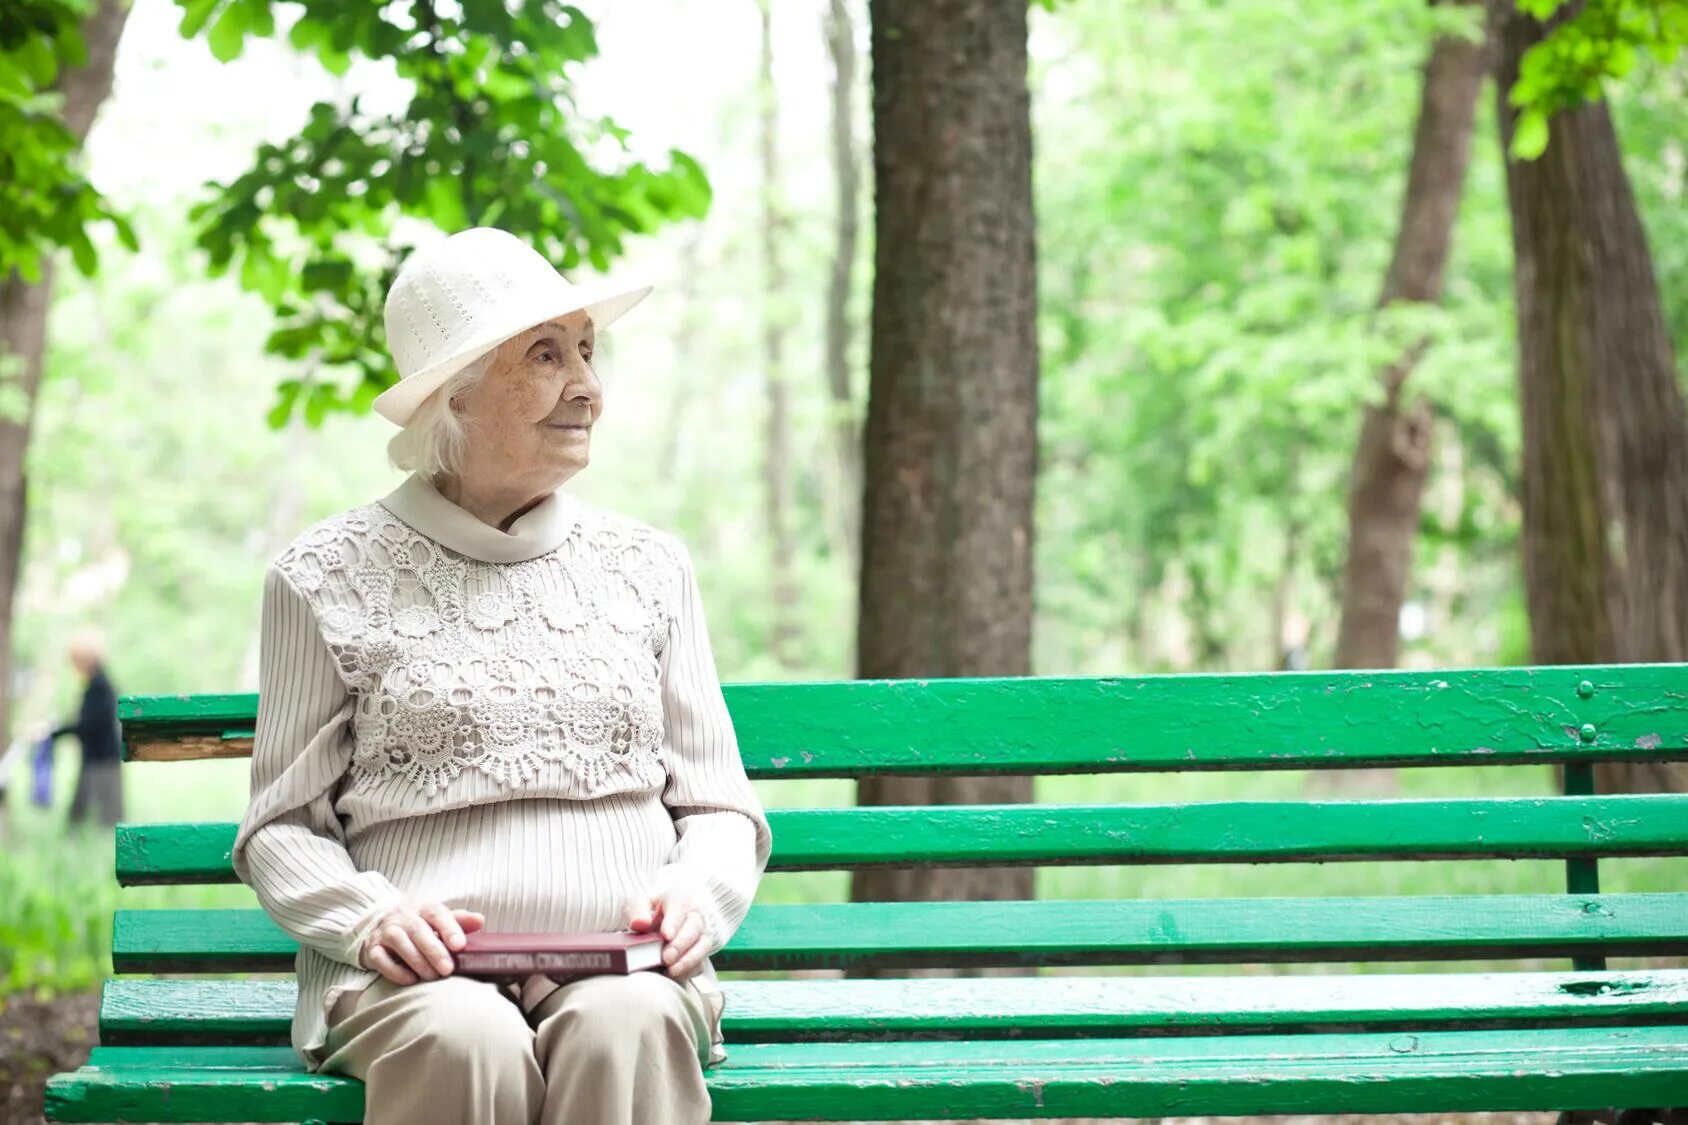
x,y
695,193
363,399
287,393
293,341
194,15
228,34
334,61
576,37
329,274
1529,136
443,198
36,59
14,85
82,252
306,33
260,18
316,406
125,233
264,274
28,264
73,46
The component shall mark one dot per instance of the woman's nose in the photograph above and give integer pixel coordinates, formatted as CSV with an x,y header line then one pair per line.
x,y
583,382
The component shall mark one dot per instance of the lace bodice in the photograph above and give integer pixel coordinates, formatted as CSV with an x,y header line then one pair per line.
x,y
505,669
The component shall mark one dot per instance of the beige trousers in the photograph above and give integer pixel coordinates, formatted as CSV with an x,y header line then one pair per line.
x,y
605,1050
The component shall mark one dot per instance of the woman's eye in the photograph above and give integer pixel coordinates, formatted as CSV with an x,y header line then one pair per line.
x,y
586,352
545,356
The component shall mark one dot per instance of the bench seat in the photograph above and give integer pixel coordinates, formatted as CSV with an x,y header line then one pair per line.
x,y
258,1012
1439,1071
1049,932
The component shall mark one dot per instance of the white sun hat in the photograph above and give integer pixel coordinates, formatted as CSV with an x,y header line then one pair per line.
x,y
457,300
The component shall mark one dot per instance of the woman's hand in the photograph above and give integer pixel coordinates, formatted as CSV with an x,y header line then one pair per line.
x,y
415,939
685,932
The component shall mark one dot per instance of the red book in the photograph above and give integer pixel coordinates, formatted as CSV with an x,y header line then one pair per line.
x,y
518,955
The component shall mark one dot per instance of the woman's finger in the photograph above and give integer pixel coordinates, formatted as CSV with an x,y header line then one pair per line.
x,y
690,961
444,923
397,939
382,962
691,931
429,945
469,920
673,915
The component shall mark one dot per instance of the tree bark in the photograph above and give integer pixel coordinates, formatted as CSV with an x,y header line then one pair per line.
x,y
846,434
951,442
1605,484
776,465
23,332
1392,458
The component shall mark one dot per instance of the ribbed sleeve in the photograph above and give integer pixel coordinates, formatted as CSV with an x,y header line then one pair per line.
x,y
290,848
724,839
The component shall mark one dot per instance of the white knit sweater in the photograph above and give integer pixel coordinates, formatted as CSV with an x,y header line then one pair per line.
x,y
528,724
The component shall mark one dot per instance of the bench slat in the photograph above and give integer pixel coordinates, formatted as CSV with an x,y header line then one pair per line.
x,y
1442,1071
134,1012
1220,832
841,935
1310,720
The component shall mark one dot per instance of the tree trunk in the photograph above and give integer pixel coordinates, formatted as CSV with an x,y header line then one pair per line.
x,y
23,332
1386,483
1605,488
951,437
776,465
23,348
846,435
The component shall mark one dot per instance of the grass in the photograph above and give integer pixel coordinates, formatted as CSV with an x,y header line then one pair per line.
x,y
60,889
60,885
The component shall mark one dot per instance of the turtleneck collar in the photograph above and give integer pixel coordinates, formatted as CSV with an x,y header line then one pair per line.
x,y
538,531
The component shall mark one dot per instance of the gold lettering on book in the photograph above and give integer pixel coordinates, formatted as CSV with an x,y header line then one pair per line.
x,y
535,962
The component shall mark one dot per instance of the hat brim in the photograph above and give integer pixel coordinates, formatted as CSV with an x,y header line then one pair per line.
x,y
605,303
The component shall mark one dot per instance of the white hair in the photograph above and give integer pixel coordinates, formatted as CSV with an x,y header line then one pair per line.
x,y
431,443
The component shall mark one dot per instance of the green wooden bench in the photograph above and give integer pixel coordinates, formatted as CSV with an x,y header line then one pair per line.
x,y
1093,1045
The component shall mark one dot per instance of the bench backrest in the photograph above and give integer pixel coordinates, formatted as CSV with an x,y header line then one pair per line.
x,y
1571,717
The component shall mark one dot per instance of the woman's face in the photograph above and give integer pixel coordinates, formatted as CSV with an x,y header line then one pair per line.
x,y
530,417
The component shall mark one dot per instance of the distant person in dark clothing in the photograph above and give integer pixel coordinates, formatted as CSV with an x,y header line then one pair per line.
x,y
99,785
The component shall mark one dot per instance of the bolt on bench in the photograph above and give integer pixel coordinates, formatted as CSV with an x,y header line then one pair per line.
x,y
1062,1046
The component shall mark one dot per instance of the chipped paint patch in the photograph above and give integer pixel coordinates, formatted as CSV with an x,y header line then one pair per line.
x,y
1593,988
1597,829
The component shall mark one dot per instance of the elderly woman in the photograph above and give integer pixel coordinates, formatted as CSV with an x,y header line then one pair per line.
x,y
485,703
